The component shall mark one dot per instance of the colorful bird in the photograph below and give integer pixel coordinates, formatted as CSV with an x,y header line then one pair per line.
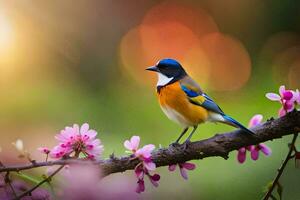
x,y
184,102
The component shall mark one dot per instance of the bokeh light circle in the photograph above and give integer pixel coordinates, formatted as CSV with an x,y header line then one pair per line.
x,y
194,18
282,62
230,62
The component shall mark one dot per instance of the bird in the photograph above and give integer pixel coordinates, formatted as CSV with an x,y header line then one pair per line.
x,y
184,102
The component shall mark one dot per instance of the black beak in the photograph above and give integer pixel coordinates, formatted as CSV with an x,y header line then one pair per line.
x,y
153,68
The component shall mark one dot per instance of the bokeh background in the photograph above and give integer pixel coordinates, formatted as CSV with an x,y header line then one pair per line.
x,y
65,62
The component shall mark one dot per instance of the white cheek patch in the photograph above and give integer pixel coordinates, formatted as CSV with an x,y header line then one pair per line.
x,y
163,80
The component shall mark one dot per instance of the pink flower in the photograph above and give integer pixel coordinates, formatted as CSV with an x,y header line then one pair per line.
x,y
146,165
260,147
140,172
183,168
143,154
297,96
254,149
140,186
133,144
77,140
44,150
241,156
287,98
84,181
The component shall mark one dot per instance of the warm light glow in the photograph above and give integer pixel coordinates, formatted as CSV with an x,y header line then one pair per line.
x,y
230,62
167,40
198,65
277,43
5,34
168,30
133,59
191,36
282,62
194,18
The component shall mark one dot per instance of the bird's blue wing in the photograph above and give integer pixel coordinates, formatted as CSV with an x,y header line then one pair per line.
x,y
201,99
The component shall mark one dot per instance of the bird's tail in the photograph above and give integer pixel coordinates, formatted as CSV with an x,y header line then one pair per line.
x,y
232,122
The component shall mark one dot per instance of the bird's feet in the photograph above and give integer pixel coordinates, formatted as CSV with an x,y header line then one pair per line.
x,y
174,144
186,144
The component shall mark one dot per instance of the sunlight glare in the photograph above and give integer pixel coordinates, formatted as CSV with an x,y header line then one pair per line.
x,y
5,34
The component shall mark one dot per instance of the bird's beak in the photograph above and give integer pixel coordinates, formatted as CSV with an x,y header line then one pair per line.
x,y
153,68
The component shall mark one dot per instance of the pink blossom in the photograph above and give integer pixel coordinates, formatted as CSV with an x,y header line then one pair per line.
x,y
133,144
183,167
143,154
297,96
84,181
146,164
77,140
260,147
44,150
140,186
254,149
140,172
241,156
287,99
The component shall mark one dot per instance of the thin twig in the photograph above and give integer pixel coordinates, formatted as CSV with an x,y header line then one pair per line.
x,y
8,181
281,169
39,184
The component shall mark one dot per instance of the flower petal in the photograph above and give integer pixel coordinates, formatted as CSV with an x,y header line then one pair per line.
x,y
281,90
84,128
188,166
287,95
281,112
289,106
241,156
273,96
265,149
149,166
140,186
91,134
255,154
135,142
145,151
128,145
154,179
183,173
75,129
172,167
255,120
139,171
297,97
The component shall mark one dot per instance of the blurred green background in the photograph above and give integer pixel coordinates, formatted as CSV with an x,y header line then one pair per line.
x,y
65,62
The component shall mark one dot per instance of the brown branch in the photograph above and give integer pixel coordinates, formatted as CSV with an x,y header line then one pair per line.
x,y
219,145
281,169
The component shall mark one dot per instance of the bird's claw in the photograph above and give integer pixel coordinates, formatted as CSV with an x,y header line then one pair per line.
x,y
174,144
186,144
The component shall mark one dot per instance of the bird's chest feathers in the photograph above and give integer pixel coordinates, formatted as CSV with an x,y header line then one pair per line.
x,y
177,107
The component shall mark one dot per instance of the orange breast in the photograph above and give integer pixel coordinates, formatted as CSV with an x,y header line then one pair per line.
x,y
172,97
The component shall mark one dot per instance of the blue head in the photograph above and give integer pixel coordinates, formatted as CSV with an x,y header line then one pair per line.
x,y
169,70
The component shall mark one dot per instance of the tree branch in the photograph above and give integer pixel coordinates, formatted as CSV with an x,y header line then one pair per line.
x,y
218,145
281,169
